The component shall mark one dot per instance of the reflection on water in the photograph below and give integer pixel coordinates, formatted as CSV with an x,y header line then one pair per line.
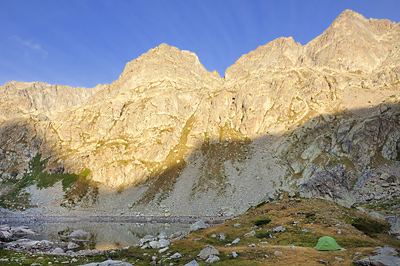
x,y
103,235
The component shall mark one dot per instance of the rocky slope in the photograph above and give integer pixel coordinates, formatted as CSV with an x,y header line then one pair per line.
x,y
169,137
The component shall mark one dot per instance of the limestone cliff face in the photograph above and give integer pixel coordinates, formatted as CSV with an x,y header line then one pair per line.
x,y
285,116
127,130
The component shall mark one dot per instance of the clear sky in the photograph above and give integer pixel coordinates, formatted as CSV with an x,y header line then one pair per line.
x,y
82,43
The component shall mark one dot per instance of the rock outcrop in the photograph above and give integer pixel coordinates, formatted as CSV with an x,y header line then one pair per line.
x,y
170,138
384,256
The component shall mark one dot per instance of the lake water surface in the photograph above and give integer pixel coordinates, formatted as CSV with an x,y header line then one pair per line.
x,y
103,235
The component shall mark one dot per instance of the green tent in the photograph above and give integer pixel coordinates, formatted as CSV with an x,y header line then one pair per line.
x,y
327,243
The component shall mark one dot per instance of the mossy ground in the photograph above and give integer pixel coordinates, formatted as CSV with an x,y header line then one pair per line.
x,y
318,217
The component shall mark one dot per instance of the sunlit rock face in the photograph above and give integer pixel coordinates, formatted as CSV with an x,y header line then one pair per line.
x,y
321,119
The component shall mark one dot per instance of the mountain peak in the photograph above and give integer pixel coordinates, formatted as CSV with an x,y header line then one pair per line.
x,y
348,13
348,20
350,44
165,61
278,54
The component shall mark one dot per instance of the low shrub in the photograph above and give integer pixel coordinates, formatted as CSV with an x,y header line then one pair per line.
x,y
262,222
263,234
370,227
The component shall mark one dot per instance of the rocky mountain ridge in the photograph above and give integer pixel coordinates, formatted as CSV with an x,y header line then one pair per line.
x,y
169,137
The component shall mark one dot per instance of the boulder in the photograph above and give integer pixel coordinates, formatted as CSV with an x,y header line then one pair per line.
x,y
72,246
21,231
5,227
147,238
394,225
163,250
178,236
192,263
176,256
79,234
212,258
162,235
377,215
4,235
236,241
108,263
162,243
250,234
386,256
206,252
340,260
387,251
279,229
198,225
58,251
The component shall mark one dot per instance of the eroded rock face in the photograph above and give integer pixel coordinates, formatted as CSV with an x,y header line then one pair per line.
x,y
321,118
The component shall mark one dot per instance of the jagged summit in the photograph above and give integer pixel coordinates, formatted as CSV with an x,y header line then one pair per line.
x,y
351,43
347,18
166,64
278,54
166,61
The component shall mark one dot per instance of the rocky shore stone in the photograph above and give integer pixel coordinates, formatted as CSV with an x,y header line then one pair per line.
x,y
43,246
178,236
108,263
8,232
198,225
79,234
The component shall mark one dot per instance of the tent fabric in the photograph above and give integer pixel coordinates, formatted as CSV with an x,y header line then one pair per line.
x,y
327,243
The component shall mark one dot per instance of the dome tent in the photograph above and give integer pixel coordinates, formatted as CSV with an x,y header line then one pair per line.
x,y
327,243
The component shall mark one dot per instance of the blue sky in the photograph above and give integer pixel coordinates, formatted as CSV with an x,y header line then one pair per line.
x,y
83,43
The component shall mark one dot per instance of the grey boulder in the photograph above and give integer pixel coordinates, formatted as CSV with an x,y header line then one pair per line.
x,y
108,263
208,251
192,263
198,225
79,234
386,256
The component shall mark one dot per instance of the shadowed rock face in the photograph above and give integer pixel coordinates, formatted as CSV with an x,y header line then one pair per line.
x,y
321,119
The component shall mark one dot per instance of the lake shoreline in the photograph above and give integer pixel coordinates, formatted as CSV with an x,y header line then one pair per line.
x,y
122,219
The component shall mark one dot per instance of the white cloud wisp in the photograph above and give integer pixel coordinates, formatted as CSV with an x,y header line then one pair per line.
x,y
29,46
